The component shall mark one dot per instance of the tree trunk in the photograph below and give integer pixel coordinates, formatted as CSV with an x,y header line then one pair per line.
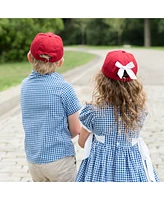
x,y
147,33
119,36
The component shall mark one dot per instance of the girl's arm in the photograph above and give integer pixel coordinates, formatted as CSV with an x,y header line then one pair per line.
x,y
83,137
74,124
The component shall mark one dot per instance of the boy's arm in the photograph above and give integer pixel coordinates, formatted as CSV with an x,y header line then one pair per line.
x,y
83,137
74,124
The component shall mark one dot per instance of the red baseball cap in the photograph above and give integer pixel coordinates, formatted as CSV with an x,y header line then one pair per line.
x,y
48,44
118,61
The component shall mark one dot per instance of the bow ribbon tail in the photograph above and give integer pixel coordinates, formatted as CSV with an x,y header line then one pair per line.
x,y
121,69
120,72
146,158
87,146
131,73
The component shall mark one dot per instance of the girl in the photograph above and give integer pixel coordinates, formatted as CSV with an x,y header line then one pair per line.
x,y
110,136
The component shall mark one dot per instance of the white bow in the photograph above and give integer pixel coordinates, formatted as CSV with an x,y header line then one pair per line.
x,y
145,157
88,143
127,68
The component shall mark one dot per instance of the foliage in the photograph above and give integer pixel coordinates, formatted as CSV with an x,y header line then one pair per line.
x,y
133,33
16,35
99,33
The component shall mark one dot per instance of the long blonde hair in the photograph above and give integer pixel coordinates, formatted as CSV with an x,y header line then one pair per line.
x,y
128,98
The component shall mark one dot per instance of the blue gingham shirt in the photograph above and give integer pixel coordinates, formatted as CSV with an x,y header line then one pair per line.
x,y
46,102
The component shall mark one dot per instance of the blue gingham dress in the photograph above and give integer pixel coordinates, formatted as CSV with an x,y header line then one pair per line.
x,y
113,157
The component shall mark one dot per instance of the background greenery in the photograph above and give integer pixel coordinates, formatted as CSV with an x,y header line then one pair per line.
x,y
16,34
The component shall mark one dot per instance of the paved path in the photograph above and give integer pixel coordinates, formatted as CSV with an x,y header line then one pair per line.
x,y
13,166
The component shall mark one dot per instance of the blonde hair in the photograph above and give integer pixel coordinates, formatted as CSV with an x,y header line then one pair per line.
x,y
127,98
44,67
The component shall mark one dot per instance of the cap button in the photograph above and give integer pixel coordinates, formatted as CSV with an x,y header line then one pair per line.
x,y
123,51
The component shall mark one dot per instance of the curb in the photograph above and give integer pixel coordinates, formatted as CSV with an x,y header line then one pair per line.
x,y
9,99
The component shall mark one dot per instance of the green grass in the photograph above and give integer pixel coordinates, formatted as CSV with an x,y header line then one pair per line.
x,y
74,59
12,74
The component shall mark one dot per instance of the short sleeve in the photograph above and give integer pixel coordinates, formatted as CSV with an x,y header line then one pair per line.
x,y
143,117
87,117
70,101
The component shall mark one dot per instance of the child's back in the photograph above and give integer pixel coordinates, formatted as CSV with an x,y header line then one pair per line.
x,y
49,113
45,108
114,150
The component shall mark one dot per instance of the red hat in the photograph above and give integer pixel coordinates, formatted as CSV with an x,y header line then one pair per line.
x,y
118,61
47,44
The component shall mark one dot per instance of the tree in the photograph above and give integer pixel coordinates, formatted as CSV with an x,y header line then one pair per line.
x,y
16,35
81,24
117,24
147,33
133,32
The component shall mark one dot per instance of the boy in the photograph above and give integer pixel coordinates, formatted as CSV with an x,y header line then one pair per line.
x,y
49,113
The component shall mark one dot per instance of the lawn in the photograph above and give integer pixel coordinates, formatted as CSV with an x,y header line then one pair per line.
x,y
11,74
